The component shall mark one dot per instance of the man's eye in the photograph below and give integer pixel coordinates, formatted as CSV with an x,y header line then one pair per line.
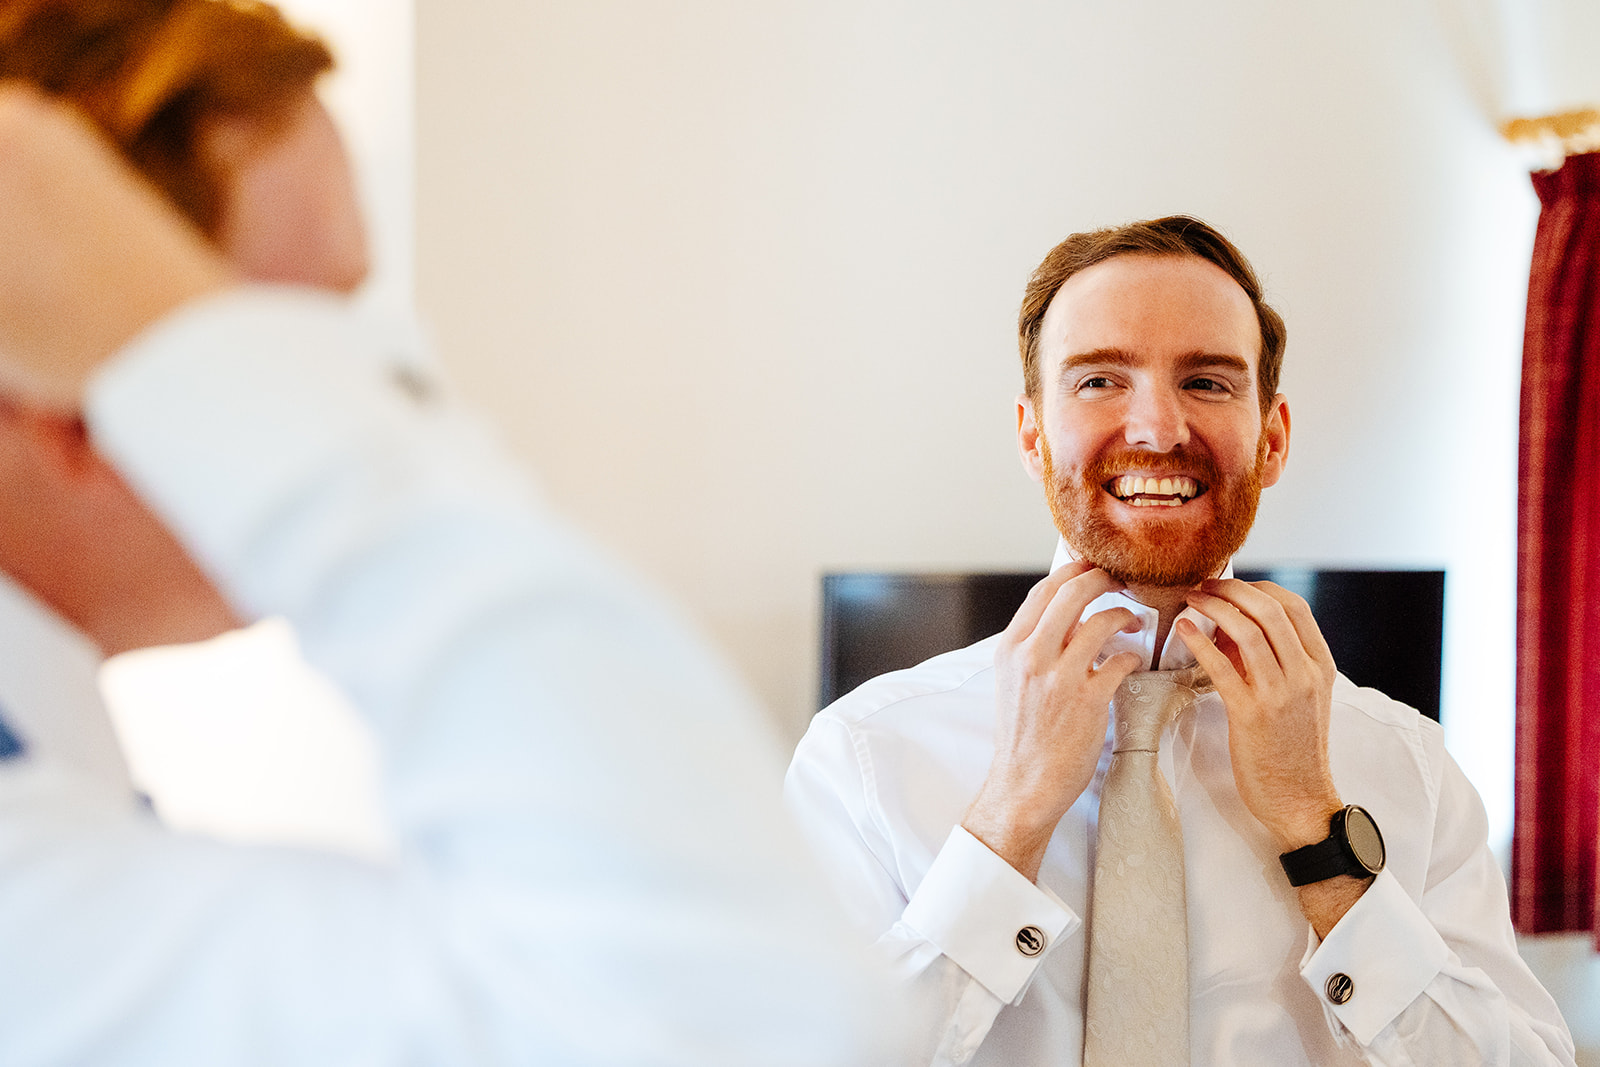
x,y
1099,381
1208,385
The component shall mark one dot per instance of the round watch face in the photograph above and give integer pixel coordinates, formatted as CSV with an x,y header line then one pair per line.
x,y
1365,841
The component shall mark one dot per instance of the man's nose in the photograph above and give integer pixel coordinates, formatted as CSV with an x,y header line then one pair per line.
x,y
1156,420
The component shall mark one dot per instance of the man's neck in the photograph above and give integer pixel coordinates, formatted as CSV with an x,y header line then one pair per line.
x,y
1169,601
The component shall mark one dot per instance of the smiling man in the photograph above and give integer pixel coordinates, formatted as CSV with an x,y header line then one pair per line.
x,y
1142,825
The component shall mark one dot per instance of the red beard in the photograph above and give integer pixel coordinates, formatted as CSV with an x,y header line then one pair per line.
x,y
1161,550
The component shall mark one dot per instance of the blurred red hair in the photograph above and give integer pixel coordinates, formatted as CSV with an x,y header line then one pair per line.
x,y
151,72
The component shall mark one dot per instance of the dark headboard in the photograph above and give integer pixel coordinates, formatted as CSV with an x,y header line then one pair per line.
x,y
1386,628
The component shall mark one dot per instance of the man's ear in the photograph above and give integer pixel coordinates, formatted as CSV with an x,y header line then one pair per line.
x,y
1029,438
1276,433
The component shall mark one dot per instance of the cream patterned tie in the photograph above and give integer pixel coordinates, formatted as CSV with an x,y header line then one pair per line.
x,y
1138,984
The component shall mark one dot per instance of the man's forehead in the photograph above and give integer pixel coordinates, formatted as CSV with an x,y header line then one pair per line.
x,y
1143,304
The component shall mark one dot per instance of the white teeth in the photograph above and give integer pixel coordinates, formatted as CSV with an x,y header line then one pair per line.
x,y
1181,488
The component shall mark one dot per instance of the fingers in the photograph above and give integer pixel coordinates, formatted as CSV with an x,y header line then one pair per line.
x,y
1027,617
1268,623
1063,618
1053,607
119,255
1263,611
1256,654
1243,693
1305,624
1217,666
1092,635
1111,673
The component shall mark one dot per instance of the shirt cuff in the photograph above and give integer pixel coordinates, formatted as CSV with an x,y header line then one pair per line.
x,y
981,912
219,410
1375,961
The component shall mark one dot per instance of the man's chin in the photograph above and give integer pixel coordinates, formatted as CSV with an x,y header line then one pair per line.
x,y
1155,547
1158,571
1181,560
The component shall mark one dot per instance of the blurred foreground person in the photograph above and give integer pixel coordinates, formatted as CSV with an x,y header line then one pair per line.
x,y
593,865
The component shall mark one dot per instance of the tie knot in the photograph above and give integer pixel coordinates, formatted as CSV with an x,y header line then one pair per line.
x,y
1147,701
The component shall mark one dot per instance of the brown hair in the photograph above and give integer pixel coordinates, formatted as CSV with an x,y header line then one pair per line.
x,y
149,72
1176,235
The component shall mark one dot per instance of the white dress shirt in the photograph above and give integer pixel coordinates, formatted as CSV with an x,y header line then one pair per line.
x,y
883,776
50,696
594,866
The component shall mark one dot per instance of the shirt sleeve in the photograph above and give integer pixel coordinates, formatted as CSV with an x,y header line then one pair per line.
x,y
966,940
1438,981
594,866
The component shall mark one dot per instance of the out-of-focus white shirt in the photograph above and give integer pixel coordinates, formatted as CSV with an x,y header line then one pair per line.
x,y
881,781
594,866
50,697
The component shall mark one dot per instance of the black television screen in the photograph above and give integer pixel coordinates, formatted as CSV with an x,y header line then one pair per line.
x,y
1386,628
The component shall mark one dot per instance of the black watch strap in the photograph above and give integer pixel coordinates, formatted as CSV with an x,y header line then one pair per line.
x,y
1353,846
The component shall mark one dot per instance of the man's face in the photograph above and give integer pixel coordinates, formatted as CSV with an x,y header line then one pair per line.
x,y
1147,433
289,209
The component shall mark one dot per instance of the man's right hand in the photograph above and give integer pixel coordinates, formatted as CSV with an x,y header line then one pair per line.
x,y
1051,713
90,253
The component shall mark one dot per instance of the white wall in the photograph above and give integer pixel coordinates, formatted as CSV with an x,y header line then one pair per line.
x,y
740,279
370,94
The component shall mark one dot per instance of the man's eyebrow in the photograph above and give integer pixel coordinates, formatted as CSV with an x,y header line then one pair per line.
x,y
1221,360
1117,357
1099,357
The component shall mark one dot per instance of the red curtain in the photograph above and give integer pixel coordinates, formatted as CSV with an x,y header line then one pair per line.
x,y
1558,566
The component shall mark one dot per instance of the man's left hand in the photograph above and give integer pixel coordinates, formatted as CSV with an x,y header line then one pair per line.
x,y
90,253
1275,673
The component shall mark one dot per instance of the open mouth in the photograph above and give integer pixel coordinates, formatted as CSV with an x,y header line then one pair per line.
x,y
1163,491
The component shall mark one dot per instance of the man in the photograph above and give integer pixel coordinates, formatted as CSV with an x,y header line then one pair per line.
x,y
960,802
591,866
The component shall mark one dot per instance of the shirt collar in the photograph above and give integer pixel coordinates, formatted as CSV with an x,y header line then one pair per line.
x,y
1174,655
50,690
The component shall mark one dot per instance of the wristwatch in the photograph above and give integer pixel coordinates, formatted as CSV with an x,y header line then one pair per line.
x,y
1353,846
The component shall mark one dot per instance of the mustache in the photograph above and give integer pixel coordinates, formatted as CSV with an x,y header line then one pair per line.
x,y
1113,464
